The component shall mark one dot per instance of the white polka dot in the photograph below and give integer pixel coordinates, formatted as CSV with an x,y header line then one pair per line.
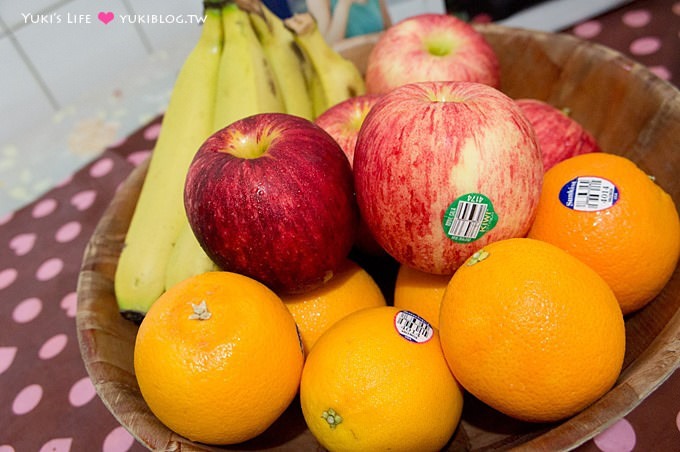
x,y
49,269
53,346
645,46
81,392
22,244
6,218
637,18
136,158
152,132
118,440
7,277
7,355
44,208
27,399
588,29
620,437
68,232
57,445
102,167
84,199
27,310
69,304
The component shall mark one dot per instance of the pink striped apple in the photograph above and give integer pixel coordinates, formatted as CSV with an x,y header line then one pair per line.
x,y
430,47
559,136
443,168
343,121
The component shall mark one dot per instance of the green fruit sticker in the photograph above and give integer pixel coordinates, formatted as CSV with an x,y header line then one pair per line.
x,y
469,217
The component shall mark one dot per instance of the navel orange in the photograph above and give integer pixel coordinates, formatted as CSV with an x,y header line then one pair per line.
x,y
531,331
606,211
350,290
218,358
420,292
377,380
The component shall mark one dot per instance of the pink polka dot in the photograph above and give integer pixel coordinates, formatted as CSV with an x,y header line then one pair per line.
x,y
49,269
68,232
57,445
7,355
84,199
69,304
620,437
661,71
136,158
676,8
645,46
637,18
6,448
4,219
102,167
44,208
67,180
118,440
22,244
53,346
81,392
588,29
27,310
27,399
7,277
152,132
677,421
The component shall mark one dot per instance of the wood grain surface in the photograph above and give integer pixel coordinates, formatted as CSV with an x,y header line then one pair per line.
x,y
629,110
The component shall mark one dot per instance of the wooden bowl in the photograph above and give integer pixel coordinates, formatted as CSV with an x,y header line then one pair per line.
x,y
629,110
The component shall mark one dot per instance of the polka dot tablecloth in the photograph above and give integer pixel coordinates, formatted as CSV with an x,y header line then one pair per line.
x,y
48,403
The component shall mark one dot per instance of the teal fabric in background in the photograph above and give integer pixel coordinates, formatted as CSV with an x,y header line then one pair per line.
x,y
363,18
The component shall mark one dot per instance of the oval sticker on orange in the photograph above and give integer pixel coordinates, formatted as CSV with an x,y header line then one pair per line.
x,y
589,194
412,327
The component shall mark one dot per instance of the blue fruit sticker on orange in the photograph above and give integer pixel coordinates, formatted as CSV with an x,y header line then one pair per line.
x,y
589,194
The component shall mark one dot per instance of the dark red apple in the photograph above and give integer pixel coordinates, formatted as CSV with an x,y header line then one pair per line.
x,y
271,197
559,136
442,169
343,121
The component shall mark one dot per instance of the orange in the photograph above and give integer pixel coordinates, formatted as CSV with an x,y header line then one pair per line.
x,y
531,331
420,292
218,358
631,238
378,380
351,289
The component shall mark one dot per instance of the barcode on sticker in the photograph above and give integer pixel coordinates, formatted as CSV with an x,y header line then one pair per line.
x,y
412,327
594,193
468,220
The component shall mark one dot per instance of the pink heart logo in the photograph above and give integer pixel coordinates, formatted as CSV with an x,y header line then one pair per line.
x,y
105,17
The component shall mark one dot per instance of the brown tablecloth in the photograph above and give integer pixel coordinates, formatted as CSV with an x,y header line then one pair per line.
x,y
47,401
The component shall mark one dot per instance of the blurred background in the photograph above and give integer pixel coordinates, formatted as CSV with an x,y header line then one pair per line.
x,y
78,76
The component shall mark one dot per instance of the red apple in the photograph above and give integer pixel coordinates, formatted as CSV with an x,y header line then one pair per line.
x,y
430,47
271,196
343,121
559,136
443,168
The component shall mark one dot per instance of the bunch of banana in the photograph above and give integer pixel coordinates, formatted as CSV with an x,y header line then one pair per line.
x,y
247,61
331,77
159,215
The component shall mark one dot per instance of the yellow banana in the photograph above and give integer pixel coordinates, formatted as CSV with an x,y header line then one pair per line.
x,y
246,84
284,56
159,214
338,77
187,259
